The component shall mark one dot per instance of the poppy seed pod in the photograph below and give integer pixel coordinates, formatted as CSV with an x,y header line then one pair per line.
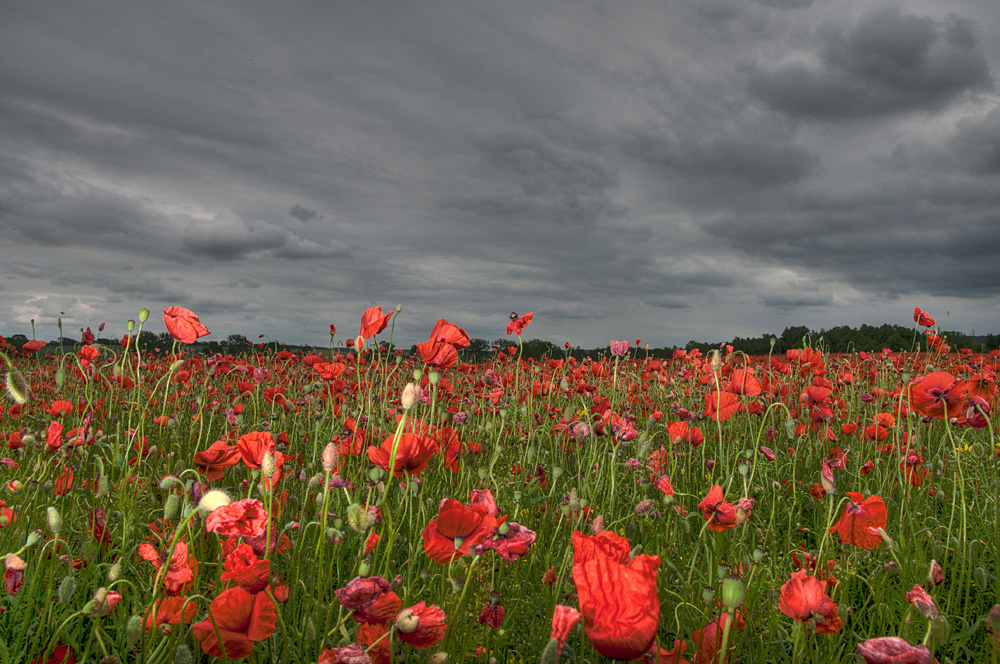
x,y
733,590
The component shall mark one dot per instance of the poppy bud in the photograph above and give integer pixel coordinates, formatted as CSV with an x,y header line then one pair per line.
x,y
329,457
597,525
115,572
171,507
267,465
357,518
66,589
643,507
60,377
17,387
407,622
54,520
733,590
213,500
550,655
827,480
716,360
133,630
409,396
182,655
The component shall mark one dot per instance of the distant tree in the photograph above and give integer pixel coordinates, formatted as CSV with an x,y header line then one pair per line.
x,y
791,338
237,344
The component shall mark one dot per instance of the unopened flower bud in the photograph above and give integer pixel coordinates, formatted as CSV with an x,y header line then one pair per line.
x,y
643,507
133,630
329,457
214,499
17,387
115,572
357,518
409,396
716,360
171,507
267,465
54,520
438,658
597,525
407,622
66,589
733,590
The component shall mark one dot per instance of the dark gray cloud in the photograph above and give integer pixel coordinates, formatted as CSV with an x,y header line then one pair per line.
x,y
699,169
887,62
303,213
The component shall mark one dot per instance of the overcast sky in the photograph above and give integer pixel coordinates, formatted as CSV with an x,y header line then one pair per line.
x,y
667,169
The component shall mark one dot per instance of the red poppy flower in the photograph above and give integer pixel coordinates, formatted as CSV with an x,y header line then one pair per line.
x,y
372,636
937,394
181,569
893,650
33,346
421,626
720,514
244,518
241,618
517,325
380,611
510,545
743,382
924,603
618,597
183,325
250,573
564,619
922,318
858,518
373,321
413,453
721,405
213,461
61,654
803,598
708,640
440,350
456,529
169,611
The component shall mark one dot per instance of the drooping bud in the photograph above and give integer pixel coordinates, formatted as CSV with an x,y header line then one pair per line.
x,y
115,572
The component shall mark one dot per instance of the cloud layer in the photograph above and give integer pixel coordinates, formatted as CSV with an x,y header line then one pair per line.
x,y
695,170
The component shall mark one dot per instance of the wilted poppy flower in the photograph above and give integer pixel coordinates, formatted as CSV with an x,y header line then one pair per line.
x,y
924,603
618,597
421,626
492,614
362,592
350,654
244,518
893,650
803,598
456,529
241,618
373,321
183,325
937,394
860,517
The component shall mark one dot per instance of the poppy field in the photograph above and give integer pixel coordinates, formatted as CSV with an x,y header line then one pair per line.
x,y
371,505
